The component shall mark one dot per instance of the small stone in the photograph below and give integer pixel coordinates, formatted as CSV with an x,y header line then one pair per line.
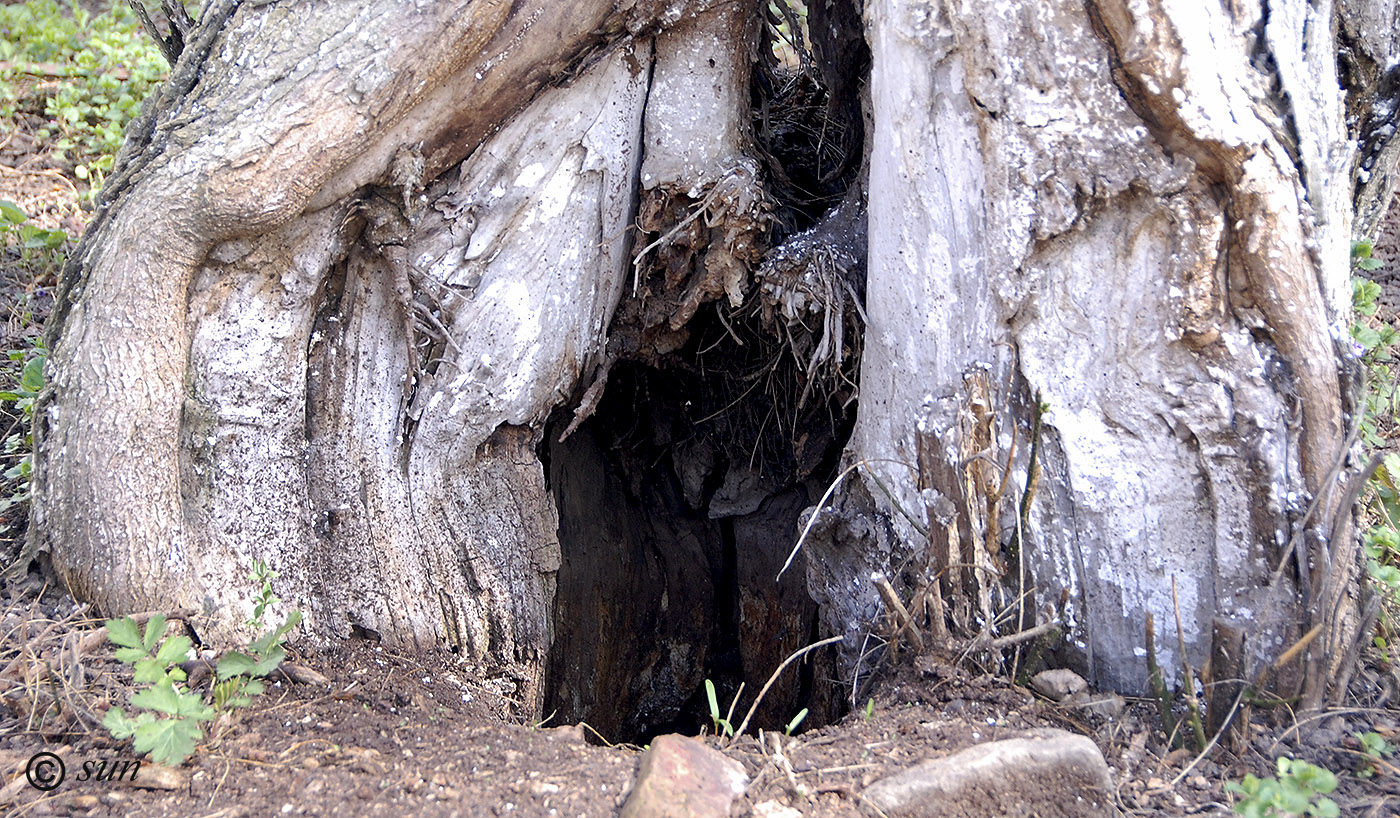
x,y
682,778
1106,705
570,734
112,799
772,809
310,763
84,801
159,777
1058,685
1049,773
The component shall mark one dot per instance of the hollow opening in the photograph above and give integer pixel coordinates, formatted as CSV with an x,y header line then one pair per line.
x,y
680,496
679,502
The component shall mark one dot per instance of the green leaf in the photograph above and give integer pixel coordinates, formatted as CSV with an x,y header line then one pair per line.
x,y
269,661
1370,264
148,671
169,741
1365,336
130,655
155,629
1292,802
1318,778
261,645
1387,575
119,724
10,212
192,706
161,697
123,632
174,651
235,663
796,720
1325,808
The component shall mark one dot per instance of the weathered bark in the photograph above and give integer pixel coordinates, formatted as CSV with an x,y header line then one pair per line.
x,y
233,371
1368,33
355,256
1140,212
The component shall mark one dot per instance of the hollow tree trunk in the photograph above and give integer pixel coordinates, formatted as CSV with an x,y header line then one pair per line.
x,y
354,256
1139,213
299,331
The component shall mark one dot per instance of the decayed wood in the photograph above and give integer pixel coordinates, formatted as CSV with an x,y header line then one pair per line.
x,y
186,389
1227,673
1114,209
302,327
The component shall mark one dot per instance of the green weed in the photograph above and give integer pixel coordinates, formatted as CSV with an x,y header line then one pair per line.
x,y
170,724
1374,748
721,723
1374,341
21,443
796,721
1300,789
87,74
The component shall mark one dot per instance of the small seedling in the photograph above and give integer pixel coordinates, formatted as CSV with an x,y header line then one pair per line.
x,y
1299,790
796,720
240,672
262,577
721,724
169,726
869,708
1374,748
724,725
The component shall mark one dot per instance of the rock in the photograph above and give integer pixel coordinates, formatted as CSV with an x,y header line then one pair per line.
x,y
1047,773
1058,685
772,809
1106,705
569,734
159,777
682,778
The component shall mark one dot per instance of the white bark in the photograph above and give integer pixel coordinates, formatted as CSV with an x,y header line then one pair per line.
x,y
1101,205
233,373
331,301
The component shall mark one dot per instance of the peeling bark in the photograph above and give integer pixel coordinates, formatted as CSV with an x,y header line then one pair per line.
x,y
254,349
328,304
1141,212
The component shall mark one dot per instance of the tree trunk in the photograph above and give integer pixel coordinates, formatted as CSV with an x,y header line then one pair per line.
x,y
318,341
355,258
1141,217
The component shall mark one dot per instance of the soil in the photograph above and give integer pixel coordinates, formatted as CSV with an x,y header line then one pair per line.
x,y
389,733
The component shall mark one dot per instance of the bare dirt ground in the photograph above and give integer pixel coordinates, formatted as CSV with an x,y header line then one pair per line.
x,y
394,734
